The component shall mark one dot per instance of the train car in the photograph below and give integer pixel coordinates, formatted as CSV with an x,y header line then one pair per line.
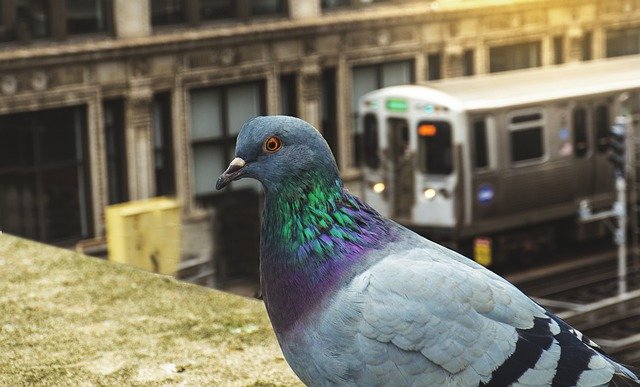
x,y
500,158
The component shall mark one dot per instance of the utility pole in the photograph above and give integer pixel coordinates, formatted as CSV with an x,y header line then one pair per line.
x,y
618,157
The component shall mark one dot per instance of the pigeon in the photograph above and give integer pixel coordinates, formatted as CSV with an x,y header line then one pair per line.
x,y
356,299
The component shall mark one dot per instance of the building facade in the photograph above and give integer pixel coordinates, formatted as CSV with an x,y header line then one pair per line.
x,y
106,101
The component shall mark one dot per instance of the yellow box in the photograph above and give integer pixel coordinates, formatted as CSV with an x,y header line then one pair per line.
x,y
145,234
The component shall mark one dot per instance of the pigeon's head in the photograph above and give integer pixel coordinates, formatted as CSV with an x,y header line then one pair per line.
x,y
278,151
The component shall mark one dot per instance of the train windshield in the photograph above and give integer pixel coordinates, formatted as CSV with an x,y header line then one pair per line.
x,y
435,149
371,156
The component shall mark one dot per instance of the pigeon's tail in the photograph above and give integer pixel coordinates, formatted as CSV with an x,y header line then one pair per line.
x,y
625,376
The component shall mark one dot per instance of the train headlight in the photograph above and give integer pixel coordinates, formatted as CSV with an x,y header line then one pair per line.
x,y
378,188
430,193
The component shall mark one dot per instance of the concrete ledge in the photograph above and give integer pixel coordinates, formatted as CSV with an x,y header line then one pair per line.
x,y
67,319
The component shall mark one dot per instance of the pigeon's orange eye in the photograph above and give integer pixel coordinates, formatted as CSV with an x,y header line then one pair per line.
x,y
273,144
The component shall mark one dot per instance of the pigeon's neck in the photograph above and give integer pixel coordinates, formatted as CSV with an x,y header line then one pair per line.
x,y
315,236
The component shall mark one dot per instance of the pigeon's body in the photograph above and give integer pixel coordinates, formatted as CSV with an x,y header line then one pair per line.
x,y
356,299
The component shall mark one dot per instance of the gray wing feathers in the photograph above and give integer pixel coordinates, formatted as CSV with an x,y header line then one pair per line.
x,y
455,325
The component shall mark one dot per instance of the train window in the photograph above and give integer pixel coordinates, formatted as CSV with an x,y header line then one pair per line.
x,y
435,148
371,156
601,122
580,142
480,143
526,144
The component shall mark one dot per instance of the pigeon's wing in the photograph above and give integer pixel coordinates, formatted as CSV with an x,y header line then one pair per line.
x,y
440,322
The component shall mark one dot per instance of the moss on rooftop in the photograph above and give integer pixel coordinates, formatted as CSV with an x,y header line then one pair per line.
x,y
67,319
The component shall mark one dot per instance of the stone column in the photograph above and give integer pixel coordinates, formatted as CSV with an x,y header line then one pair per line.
x,y
598,50
546,49
139,139
132,19
343,107
309,92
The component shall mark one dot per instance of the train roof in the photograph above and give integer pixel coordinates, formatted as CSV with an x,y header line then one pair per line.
x,y
532,85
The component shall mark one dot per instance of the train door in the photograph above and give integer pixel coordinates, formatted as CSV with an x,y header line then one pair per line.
x,y
602,178
400,168
581,160
485,175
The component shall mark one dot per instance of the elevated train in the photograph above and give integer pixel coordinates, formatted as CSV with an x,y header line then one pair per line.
x,y
502,159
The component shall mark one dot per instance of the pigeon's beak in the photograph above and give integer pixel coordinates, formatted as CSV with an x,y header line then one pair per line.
x,y
231,174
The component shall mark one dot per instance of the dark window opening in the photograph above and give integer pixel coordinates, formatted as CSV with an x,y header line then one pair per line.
x,y
468,63
165,12
266,7
330,4
371,149
558,49
86,16
514,57
435,147
329,110
623,42
434,64
526,118
27,20
114,132
44,177
602,123
587,42
163,145
217,9
32,20
480,142
288,95
526,144
580,141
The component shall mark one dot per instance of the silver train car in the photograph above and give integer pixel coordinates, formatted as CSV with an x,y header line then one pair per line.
x,y
502,159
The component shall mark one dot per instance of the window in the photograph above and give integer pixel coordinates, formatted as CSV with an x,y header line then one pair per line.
x,y
288,95
266,7
558,49
514,56
163,145
329,110
526,144
26,20
525,131
480,144
580,141
435,147
369,78
217,115
114,132
86,16
371,149
467,63
587,42
434,65
217,9
623,41
330,4
44,179
602,124
164,12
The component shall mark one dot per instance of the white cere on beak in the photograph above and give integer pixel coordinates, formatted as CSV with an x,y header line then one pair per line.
x,y
237,162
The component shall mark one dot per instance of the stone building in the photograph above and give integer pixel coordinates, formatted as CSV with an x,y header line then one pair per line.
x,y
105,101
